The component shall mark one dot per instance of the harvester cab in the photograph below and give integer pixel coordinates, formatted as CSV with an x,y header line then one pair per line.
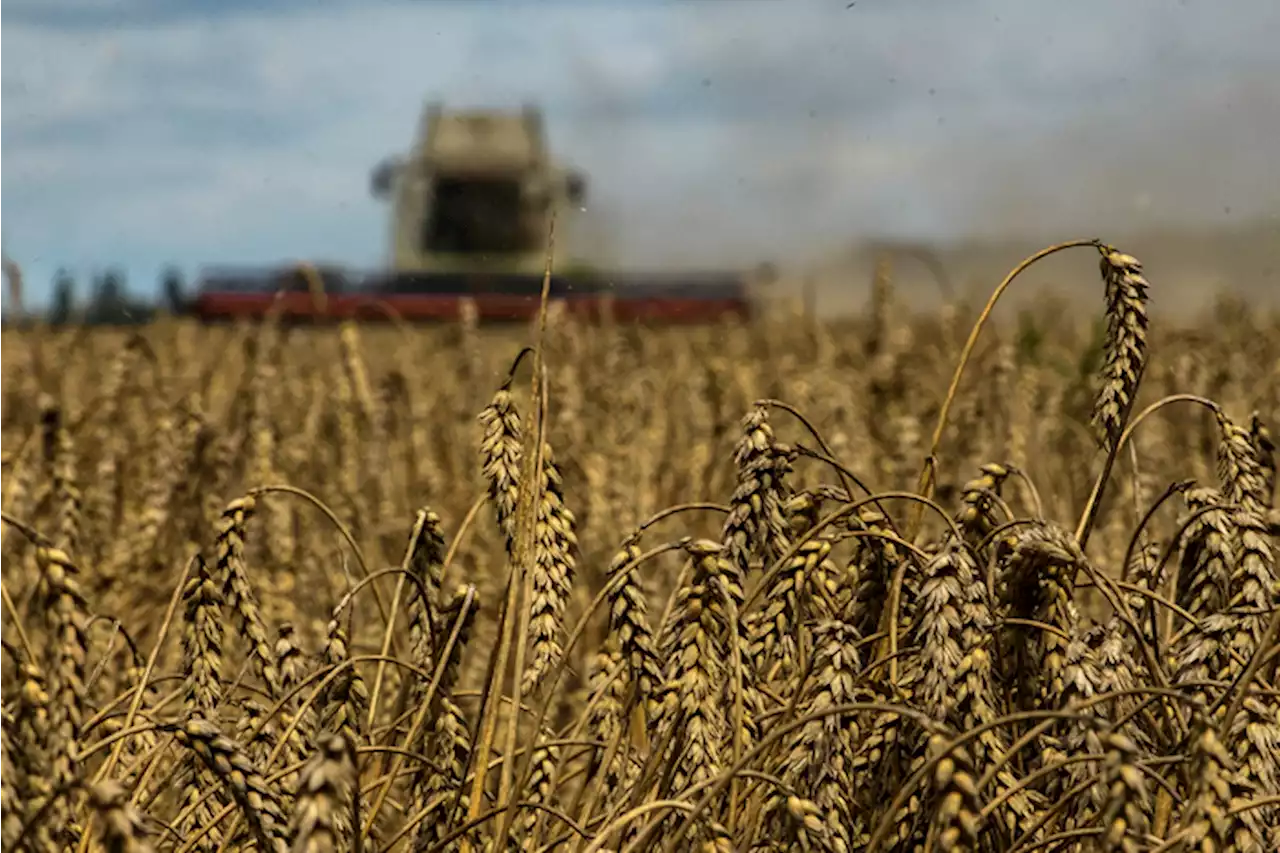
x,y
476,192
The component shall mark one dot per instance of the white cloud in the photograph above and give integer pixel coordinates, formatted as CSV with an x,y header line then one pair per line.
x,y
707,129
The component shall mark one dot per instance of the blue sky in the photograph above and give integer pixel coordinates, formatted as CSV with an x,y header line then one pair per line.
x,y
140,132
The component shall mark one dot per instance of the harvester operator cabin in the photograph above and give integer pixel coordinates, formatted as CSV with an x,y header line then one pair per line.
x,y
480,186
476,214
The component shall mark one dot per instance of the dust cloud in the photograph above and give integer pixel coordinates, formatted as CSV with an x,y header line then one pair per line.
x,y
1169,155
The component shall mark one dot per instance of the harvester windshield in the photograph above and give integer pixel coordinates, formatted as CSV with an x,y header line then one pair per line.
x,y
475,215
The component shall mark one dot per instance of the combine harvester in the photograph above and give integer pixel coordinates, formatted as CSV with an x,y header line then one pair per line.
x,y
470,211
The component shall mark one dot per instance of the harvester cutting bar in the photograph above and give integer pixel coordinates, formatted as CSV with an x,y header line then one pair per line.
x,y
497,297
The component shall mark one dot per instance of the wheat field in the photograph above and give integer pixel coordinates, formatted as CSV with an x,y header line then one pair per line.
x,y
785,585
